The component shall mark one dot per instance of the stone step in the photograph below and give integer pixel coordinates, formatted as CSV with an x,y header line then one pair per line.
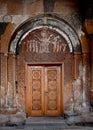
x,y
38,123
45,120
44,128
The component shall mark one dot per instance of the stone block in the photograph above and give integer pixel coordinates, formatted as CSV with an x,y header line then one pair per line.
x,y
3,120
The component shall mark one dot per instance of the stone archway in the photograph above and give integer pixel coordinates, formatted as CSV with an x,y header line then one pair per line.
x,y
44,50
72,59
54,23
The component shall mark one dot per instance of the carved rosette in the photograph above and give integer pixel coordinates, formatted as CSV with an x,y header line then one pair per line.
x,y
52,87
36,90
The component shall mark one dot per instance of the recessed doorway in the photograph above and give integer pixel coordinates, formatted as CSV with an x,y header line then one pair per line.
x,y
44,90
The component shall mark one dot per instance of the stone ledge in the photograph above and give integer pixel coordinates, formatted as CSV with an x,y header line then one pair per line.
x,y
82,119
13,120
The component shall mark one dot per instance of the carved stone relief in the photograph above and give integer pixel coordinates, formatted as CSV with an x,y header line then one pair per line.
x,y
44,41
57,25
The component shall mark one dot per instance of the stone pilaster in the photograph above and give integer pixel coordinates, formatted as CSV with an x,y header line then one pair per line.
x,y
86,81
11,90
77,83
89,30
91,73
3,87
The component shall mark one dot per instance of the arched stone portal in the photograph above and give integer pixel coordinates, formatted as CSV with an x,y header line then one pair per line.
x,y
46,45
53,23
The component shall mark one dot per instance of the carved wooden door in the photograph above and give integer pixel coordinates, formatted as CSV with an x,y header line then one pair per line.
x,y
44,91
52,91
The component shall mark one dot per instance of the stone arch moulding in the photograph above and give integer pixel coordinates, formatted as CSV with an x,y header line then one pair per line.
x,y
51,22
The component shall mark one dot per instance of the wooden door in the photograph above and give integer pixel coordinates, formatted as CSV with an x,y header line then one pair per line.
x,y
53,91
44,91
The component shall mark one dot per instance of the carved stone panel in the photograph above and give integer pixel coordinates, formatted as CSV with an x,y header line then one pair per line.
x,y
44,41
52,23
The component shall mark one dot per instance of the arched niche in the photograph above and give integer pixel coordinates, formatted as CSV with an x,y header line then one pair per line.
x,y
49,22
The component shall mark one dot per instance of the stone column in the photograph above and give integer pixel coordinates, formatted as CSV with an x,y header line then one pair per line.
x,y
0,71
3,80
77,59
77,83
89,30
14,81
86,81
11,91
91,80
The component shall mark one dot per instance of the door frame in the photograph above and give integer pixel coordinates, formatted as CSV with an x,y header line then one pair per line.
x,y
26,83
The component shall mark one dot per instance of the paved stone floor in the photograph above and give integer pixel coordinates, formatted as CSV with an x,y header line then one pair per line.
x,y
45,123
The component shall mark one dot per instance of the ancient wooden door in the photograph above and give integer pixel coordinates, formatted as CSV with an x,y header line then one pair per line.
x,y
43,93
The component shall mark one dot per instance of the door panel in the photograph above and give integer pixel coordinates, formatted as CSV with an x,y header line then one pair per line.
x,y
36,77
44,90
53,92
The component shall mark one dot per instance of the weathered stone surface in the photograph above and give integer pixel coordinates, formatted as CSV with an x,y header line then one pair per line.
x,y
63,17
49,5
3,119
12,120
87,117
80,119
18,119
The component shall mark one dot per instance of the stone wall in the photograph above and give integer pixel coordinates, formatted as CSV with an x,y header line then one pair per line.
x,y
15,14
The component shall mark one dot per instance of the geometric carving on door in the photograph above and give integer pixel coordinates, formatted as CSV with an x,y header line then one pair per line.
x,y
44,90
36,89
52,86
